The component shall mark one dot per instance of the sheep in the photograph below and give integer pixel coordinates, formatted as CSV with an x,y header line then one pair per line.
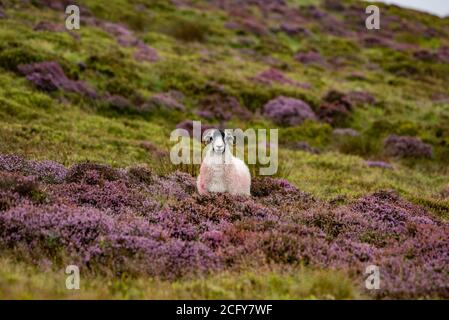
x,y
220,171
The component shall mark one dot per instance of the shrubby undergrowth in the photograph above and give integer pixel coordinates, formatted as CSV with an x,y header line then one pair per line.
x,y
132,221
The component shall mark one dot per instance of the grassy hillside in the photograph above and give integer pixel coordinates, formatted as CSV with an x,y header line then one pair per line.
x,y
366,176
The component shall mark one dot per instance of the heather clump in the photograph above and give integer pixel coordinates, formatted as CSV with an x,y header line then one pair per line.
x,y
47,170
265,186
310,57
177,185
145,53
288,111
112,196
96,238
121,32
8,199
335,108
135,221
385,230
294,245
407,147
222,107
49,26
92,173
12,163
49,76
120,104
171,100
274,76
14,186
280,194
188,126
293,29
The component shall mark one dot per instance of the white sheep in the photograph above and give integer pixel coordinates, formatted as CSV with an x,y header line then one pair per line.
x,y
220,171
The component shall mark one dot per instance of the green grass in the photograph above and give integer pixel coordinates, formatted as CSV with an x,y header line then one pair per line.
x,y
22,281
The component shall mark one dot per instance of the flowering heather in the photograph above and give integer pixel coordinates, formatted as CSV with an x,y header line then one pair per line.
x,y
120,103
146,53
95,238
310,57
167,100
405,146
188,125
293,29
223,108
273,76
49,76
8,199
338,97
442,55
12,163
288,111
47,170
49,26
134,221
335,107
124,36
111,196
333,113
253,26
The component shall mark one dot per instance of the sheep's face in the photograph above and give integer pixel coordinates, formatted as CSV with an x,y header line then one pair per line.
x,y
218,140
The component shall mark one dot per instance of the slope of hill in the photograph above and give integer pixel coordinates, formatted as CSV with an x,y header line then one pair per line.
x,y
85,176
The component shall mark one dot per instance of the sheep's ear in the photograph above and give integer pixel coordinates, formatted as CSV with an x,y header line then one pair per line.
x,y
208,135
229,137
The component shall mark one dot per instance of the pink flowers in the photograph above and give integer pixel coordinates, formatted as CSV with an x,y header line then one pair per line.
x,y
49,76
288,111
133,221
47,170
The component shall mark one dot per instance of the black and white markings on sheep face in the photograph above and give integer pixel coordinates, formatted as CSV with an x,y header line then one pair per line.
x,y
219,139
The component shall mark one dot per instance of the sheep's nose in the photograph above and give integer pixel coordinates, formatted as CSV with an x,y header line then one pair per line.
x,y
219,147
